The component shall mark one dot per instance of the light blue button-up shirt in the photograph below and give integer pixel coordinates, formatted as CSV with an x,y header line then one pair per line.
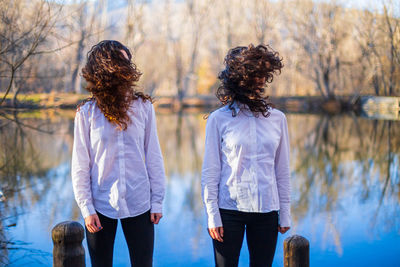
x,y
246,164
118,173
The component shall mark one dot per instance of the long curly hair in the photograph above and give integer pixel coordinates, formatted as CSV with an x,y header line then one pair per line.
x,y
246,74
111,79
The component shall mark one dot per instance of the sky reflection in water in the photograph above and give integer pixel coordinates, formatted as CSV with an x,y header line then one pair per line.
x,y
345,182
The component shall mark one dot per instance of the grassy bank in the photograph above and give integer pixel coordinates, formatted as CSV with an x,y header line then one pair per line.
x,y
313,104
51,100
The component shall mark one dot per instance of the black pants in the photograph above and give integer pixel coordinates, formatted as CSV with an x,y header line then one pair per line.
x,y
139,235
261,235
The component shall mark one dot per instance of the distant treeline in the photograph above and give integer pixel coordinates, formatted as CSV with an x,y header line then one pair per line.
x,y
328,49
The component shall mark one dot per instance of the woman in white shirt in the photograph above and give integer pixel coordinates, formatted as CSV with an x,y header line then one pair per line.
x,y
117,167
245,174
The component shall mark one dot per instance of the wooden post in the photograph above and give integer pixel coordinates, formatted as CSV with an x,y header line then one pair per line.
x,y
68,250
296,252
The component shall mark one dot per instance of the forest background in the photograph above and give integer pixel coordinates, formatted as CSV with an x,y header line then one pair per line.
x,y
330,49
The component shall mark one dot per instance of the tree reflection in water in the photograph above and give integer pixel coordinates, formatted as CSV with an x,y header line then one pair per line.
x,y
337,163
333,157
30,149
181,136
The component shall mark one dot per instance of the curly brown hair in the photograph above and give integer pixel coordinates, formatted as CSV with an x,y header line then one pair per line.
x,y
247,71
111,79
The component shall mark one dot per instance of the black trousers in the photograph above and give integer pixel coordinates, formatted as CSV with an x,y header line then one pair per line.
x,y
139,235
261,235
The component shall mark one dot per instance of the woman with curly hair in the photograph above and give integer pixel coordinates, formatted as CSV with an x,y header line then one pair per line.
x,y
117,167
245,173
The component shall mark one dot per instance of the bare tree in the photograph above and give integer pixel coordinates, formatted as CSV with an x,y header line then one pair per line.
x,y
25,26
192,17
328,49
78,59
224,27
393,34
134,31
319,33
198,12
87,25
263,19
378,38
174,39
102,25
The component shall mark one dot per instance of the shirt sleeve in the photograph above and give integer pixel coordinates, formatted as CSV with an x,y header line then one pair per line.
x,y
80,165
282,173
154,162
211,171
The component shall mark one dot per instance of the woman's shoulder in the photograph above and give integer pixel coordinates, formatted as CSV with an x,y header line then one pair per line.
x,y
142,104
276,115
217,113
141,108
276,112
86,106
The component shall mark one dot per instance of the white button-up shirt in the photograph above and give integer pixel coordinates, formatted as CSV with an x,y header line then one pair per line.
x,y
119,173
246,164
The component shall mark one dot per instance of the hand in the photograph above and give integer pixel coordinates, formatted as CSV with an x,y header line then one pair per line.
x,y
92,223
217,233
155,217
283,230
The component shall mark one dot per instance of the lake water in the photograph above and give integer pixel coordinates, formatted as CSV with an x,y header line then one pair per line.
x,y
345,189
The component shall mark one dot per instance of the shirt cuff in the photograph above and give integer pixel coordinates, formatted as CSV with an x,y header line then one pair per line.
x,y
214,220
156,208
87,211
284,216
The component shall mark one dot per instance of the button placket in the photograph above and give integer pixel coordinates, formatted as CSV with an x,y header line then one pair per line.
x,y
253,164
121,155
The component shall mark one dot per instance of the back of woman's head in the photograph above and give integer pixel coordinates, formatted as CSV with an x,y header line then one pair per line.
x,y
111,78
247,70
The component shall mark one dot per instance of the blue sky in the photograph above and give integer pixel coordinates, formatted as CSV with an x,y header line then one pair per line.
x,y
362,4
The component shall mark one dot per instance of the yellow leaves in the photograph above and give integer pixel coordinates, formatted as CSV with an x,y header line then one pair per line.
x,y
206,78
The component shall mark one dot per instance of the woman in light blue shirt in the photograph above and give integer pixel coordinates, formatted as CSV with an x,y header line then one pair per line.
x,y
245,174
117,167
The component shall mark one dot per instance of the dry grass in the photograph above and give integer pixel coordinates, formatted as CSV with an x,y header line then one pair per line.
x,y
48,100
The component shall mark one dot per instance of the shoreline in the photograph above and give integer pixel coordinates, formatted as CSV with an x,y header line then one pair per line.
x,y
288,103
366,105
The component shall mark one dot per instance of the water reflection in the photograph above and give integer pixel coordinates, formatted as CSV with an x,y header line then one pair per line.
x,y
32,146
341,161
345,182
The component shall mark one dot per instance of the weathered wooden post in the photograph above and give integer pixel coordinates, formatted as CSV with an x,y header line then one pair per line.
x,y
68,250
296,252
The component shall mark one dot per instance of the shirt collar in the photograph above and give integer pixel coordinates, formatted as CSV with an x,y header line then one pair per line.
x,y
240,107
236,106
